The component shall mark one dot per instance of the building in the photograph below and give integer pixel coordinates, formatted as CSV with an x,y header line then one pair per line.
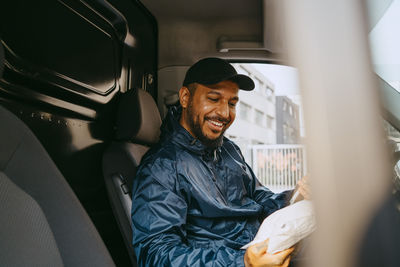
x,y
255,112
287,121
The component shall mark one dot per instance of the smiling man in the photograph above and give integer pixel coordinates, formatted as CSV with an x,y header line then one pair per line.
x,y
209,110
195,200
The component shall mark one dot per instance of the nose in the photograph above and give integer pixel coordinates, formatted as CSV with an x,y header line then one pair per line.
x,y
223,110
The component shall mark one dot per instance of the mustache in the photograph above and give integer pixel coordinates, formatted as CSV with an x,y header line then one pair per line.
x,y
219,119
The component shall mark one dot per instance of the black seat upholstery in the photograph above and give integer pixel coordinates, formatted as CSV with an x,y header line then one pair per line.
x,y
138,127
42,223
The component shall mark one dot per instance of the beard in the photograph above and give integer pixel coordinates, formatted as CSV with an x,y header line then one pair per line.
x,y
194,123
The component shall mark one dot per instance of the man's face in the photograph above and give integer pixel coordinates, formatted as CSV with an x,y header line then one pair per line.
x,y
209,111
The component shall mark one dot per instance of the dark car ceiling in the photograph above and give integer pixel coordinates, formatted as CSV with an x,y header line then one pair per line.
x,y
189,30
204,9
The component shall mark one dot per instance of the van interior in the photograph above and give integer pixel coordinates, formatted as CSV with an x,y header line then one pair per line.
x,y
85,84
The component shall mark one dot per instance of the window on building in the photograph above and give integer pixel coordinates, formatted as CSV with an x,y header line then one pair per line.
x,y
290,110
259,119
270,122
285,131
244,111
258,84
288,133
284,105
292,133
269,92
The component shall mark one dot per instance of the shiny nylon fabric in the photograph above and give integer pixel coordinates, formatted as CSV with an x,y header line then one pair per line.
x,y
192,206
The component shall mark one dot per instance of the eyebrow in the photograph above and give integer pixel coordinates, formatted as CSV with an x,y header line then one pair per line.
x,y
219,94
213,92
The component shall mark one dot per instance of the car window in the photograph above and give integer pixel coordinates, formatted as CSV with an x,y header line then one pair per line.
x,y
385,43
269,126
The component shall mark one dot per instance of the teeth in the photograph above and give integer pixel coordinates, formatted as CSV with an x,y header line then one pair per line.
x,y
219,124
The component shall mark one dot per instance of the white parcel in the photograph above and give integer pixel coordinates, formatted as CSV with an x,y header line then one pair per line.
x,y
286,227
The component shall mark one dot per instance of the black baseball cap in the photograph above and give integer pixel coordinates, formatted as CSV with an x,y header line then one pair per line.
x,y
213,70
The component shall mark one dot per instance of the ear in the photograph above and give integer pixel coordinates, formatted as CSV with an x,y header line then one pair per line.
x,y
184,96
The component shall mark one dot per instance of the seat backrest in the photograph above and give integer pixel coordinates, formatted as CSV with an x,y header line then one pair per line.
x,y
138,127
42,223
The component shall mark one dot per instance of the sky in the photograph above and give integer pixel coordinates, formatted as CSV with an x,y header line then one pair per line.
x,y
283,77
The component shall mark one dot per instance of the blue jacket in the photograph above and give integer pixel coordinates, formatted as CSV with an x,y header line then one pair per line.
x,y
192,206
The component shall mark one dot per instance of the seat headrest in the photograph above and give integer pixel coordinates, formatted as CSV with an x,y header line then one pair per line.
x,y
1,59
138,118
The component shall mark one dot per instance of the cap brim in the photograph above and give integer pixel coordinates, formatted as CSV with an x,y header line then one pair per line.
x,y
244,82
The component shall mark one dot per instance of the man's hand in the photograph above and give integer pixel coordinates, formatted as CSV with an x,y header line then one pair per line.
x,y
257,256
304,188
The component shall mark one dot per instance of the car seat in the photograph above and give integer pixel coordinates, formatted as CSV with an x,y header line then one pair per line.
x,y
42,222
137,128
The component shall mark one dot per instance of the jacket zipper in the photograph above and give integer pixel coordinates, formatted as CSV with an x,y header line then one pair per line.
x,y
212,169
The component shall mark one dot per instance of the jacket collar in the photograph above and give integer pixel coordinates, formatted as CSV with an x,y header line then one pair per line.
x,y
171,129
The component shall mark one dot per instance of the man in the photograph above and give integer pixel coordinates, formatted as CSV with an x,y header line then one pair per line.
x,y
195,200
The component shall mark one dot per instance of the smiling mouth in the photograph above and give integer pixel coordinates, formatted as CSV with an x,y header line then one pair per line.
x,y
216,123
216,126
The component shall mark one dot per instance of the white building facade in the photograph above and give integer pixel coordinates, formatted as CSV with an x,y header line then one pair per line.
x,y
255,113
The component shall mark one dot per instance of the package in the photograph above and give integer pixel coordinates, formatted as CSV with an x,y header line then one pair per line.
x,y
286,227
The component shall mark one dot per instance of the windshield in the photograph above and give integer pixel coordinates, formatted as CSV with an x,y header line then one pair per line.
x,y
385,42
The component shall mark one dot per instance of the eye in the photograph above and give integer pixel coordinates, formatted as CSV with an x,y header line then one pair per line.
x,y
212,99
232,103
